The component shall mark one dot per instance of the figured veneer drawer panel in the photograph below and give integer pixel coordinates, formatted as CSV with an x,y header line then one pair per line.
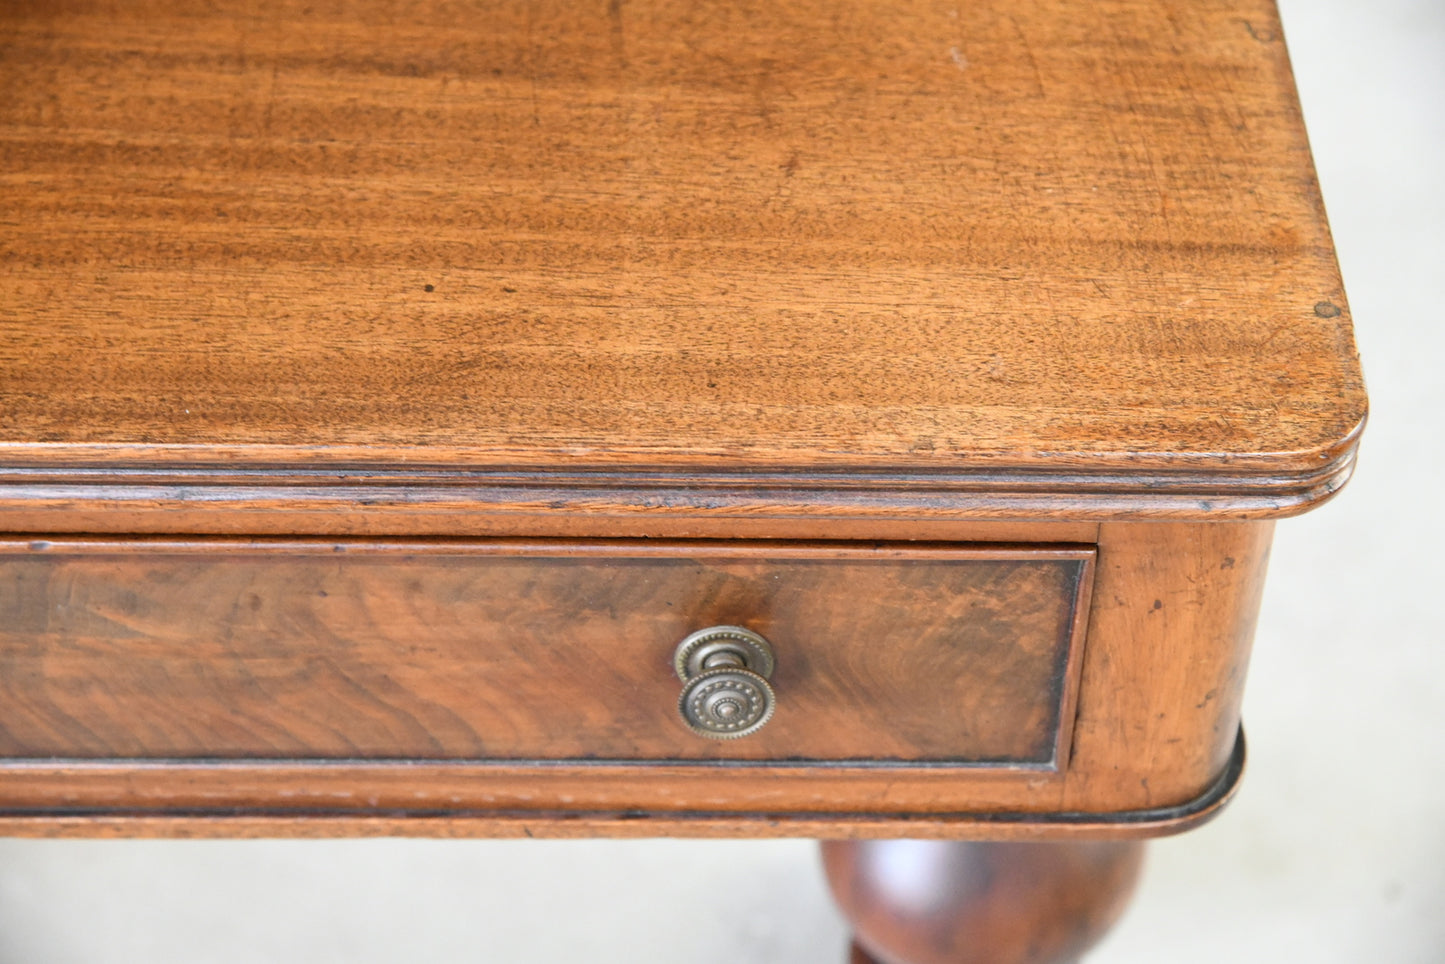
x,y
225,649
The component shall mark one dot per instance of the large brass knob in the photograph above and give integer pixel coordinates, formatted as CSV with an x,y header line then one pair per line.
x,y
725,693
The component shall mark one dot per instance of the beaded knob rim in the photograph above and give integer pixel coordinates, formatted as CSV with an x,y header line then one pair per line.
x,y
706,699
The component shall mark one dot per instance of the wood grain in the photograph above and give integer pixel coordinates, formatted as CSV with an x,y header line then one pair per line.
x,y
434,800
218,649
1170,633
298,274
1021,257
1154,733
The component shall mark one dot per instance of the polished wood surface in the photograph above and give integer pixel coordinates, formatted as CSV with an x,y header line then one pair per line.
x,y
1169,639
385,389
223,649
178,802
661,258
1154,743
933,902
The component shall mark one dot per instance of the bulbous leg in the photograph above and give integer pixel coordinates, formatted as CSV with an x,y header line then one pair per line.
x,y
941,902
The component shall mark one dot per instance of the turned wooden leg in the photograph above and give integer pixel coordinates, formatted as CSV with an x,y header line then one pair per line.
x,y
936,902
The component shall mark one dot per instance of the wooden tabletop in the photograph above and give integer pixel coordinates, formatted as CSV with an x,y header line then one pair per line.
x,y
1023,248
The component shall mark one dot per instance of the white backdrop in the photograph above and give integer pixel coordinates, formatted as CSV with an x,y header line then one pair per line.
x,y
1334,852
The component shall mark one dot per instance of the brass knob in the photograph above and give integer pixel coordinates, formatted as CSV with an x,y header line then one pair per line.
x,y
725,670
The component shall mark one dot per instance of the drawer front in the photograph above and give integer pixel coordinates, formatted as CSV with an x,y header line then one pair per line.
x,y
503,651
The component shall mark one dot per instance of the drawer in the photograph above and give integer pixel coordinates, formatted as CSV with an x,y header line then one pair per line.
x,y
886,654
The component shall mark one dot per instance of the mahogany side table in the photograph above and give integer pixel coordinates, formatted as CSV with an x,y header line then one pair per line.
x,y
859,420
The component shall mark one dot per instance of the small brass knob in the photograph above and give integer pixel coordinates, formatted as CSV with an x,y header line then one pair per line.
x,y
725,693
